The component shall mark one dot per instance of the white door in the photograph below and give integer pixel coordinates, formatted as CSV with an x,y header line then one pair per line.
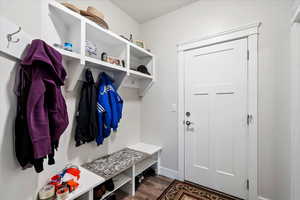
x,y
216,117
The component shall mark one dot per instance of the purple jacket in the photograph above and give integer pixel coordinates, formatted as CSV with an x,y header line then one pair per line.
x,y
46,110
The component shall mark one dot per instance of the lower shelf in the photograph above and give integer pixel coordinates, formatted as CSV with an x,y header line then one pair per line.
x,y
119,181
143,165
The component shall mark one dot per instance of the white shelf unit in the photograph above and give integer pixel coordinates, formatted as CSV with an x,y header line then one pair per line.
x,y
76,29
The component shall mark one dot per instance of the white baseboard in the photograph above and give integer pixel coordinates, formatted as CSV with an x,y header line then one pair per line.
x,y
262,198
170,173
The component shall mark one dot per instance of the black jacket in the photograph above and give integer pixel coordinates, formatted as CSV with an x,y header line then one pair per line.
x,y
87,127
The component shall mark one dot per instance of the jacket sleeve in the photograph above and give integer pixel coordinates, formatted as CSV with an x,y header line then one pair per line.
x,y
37,120
81,118
100,136
23,144
101,112
116,106
119,106
108,111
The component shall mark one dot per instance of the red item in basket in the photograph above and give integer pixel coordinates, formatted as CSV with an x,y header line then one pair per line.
x,y
73,171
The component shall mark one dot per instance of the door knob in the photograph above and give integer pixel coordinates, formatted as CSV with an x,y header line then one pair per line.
x,y
188,123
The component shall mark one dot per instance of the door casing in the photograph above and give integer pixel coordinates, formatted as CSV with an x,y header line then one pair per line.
x,y
251,32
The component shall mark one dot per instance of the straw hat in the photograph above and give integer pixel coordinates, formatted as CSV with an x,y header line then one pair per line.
x,y
94,12
71,7
95,15
84,13
98,21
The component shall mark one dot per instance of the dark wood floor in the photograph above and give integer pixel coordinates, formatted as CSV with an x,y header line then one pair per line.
x,y
150,189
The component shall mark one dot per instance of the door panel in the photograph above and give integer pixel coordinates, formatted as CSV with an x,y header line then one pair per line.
x,y
216,97
201,143
224,120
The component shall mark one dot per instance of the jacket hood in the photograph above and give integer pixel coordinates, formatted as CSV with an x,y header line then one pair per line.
x,y
41,51
89,77
103,77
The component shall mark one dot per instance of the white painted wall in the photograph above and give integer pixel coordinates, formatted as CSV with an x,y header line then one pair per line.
x,y
18,184
25,13
211,16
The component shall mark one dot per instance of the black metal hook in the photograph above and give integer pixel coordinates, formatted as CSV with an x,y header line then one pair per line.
x,y
10,35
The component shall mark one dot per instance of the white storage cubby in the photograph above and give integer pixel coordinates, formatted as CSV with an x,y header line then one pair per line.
x,y
68,27
139,57
76,29
119,182
145,164
105,42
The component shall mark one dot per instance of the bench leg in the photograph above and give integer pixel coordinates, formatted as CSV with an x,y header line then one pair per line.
x,y
91,195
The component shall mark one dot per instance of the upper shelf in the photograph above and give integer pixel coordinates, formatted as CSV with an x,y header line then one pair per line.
x,y
139,75
68,55
76,29
92,62
139,52
107,36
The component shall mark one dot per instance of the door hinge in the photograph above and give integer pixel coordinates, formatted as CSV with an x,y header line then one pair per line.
x,y
247,184
248,54
249,119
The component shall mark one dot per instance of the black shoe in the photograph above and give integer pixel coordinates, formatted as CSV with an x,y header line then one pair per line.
x,y
99,191
109,185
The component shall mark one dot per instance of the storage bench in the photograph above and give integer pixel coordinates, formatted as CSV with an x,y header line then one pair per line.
x,y
122,166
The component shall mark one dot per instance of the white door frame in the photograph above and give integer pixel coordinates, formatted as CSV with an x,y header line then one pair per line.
x,y
295,97
250,32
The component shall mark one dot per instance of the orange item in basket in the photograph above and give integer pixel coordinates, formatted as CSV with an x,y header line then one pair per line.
x,y
72,185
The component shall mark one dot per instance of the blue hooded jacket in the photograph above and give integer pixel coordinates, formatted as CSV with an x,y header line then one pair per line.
x,y
109,106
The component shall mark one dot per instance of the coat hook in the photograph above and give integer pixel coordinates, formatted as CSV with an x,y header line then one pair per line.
x,y
10,35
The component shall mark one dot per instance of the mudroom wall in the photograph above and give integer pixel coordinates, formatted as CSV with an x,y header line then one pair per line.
x,y
205,17
32,16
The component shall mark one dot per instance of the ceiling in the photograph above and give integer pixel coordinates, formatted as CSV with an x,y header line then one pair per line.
x,y
144,10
